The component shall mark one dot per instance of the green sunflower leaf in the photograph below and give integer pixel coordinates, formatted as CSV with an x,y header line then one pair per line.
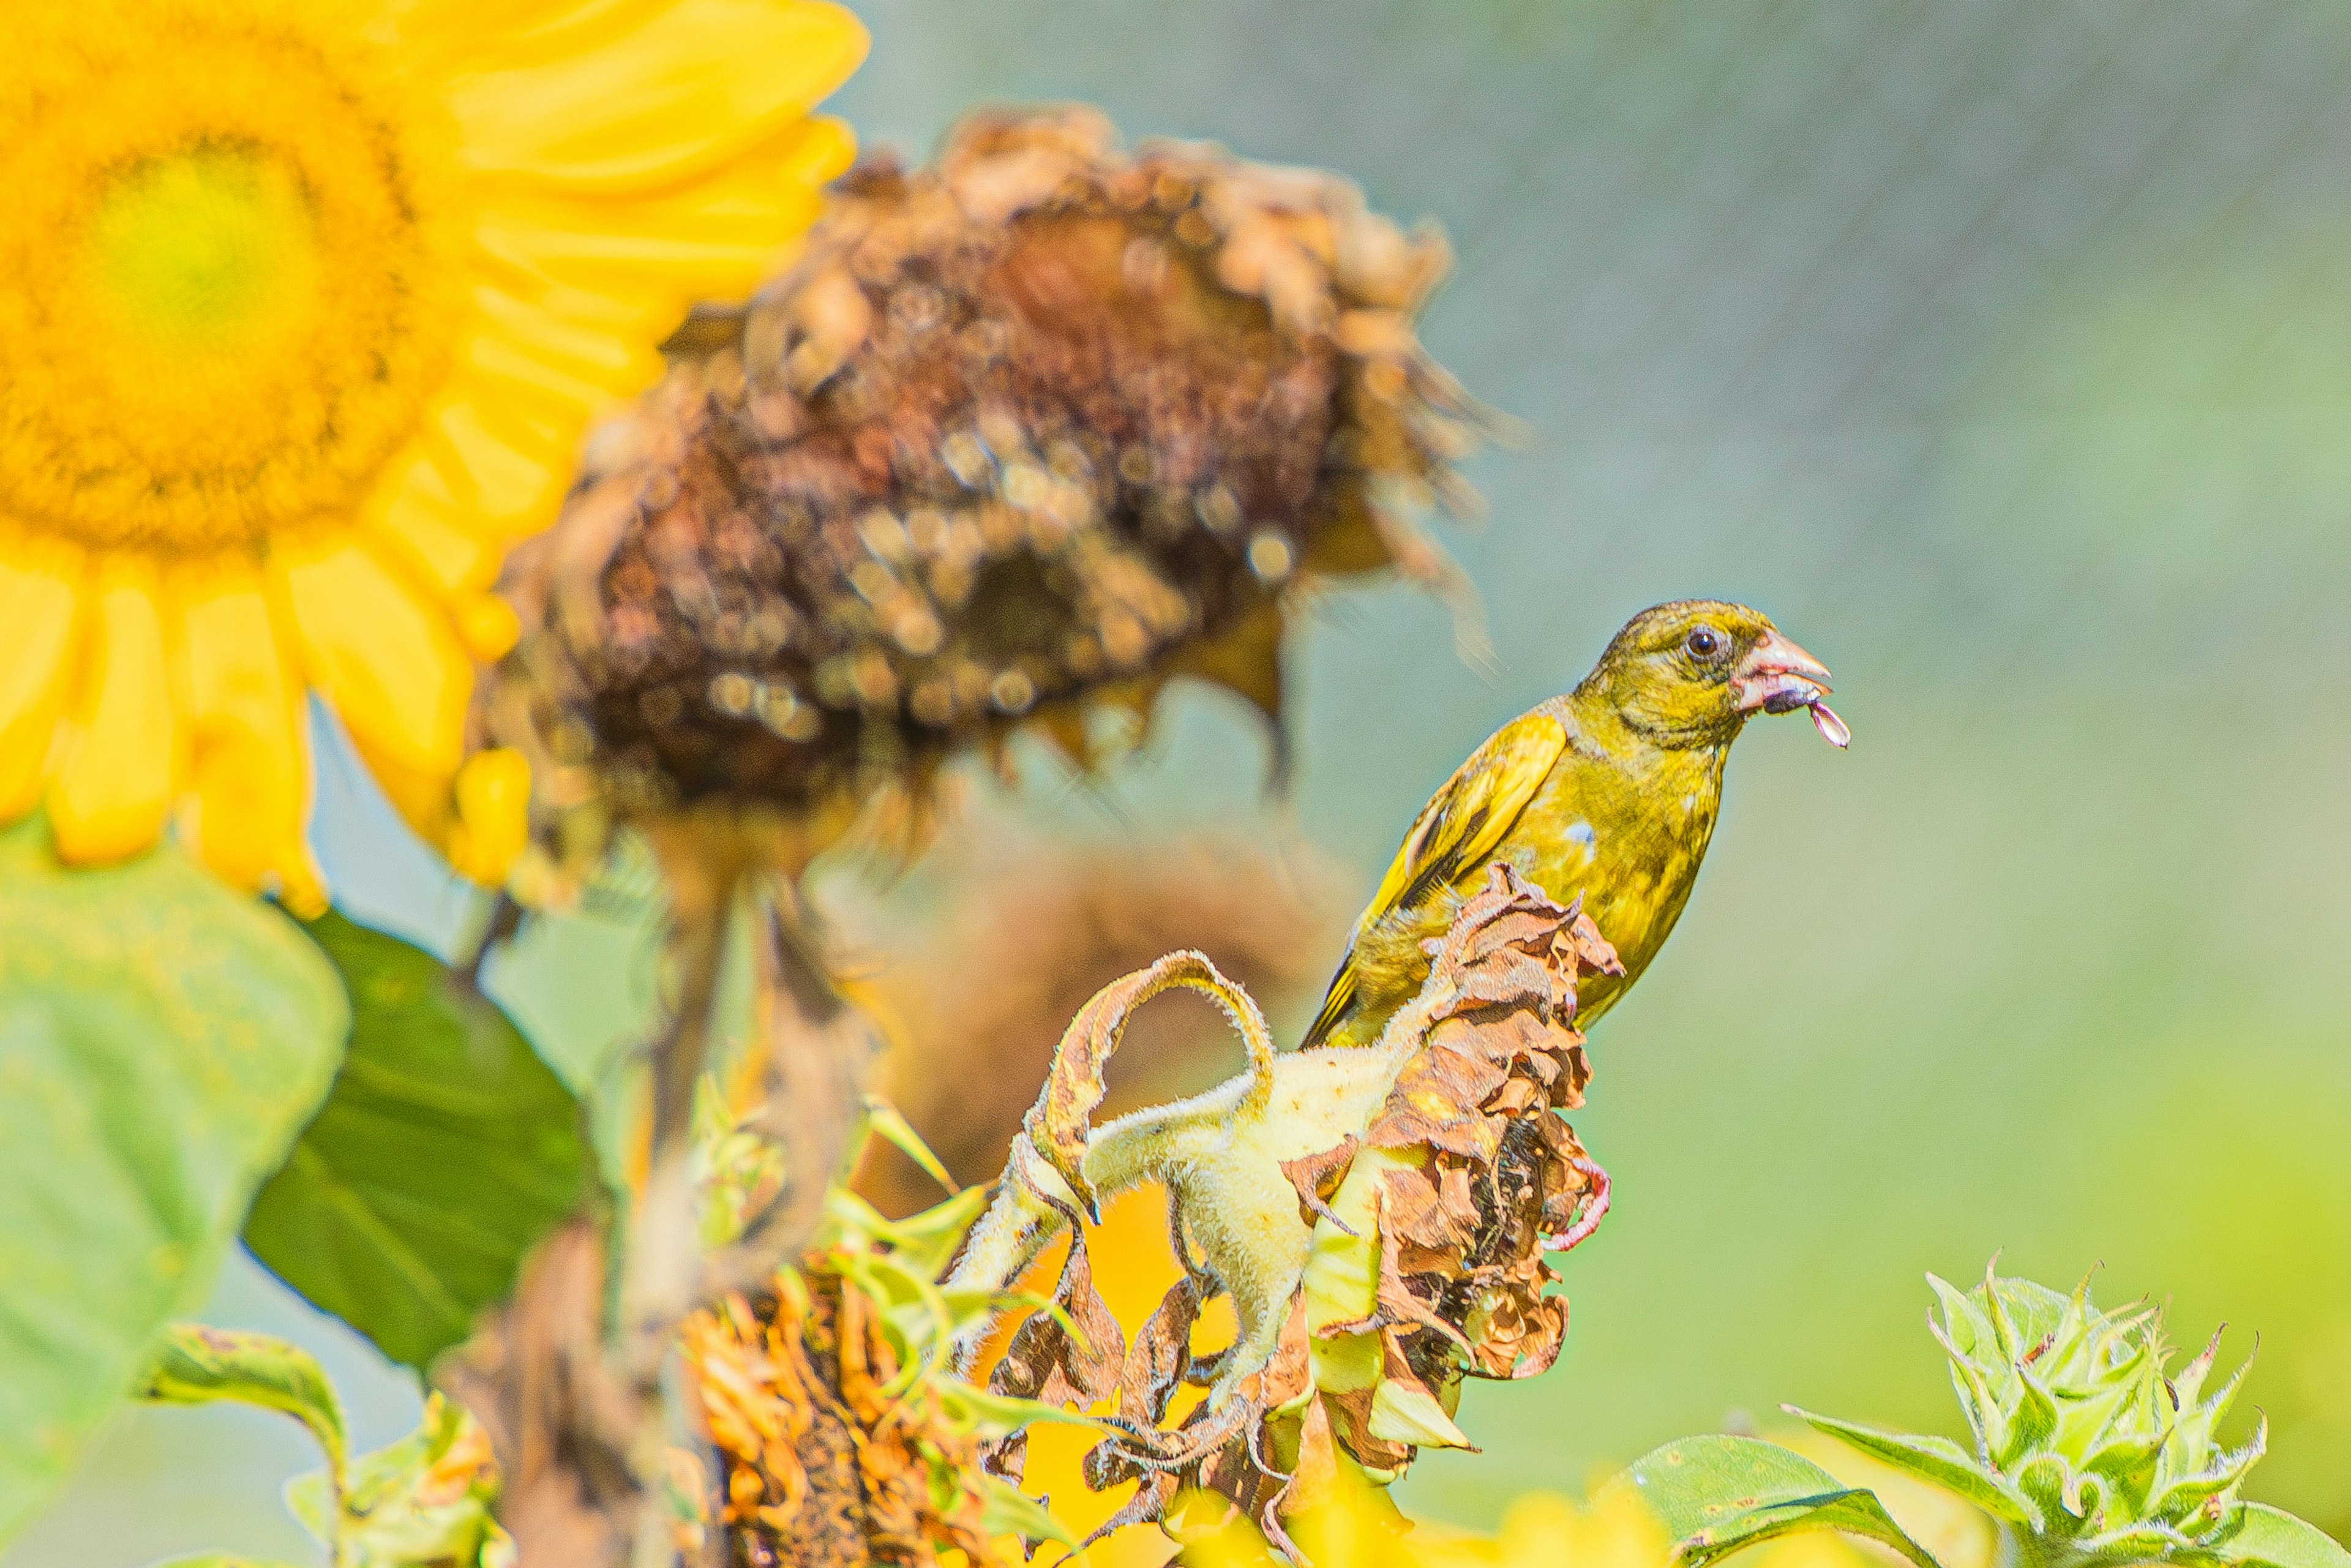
x,y
2273,1538
1717,1495
1936,1461
162,1041
446,1152
198,1364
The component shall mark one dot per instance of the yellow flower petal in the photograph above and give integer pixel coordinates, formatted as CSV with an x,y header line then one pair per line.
x,y
501,466
689,87
484,33
493,825
712,239
530,382
424,546
391,664
37,599
541,355
249,773
110,798
488,625
431,539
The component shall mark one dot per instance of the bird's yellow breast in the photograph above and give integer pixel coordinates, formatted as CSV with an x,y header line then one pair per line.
x,y
1626,835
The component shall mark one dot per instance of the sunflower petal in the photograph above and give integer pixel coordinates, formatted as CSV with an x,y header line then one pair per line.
x,y
451,565
544,357
503,467
485,33
248,766
110,798
689,88
589,351
37,606
390,663
429,537
492,815
488,626
713,239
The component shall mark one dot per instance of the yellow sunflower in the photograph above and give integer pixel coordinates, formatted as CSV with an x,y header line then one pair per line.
x,y
304,305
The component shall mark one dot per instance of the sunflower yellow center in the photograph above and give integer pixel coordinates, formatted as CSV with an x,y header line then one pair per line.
x,y
224,295
206,253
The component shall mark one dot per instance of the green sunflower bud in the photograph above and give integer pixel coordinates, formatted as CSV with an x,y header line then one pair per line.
x,y
2083,1446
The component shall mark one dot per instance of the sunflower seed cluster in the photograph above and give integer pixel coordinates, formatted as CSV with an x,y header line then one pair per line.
x,y
1019,437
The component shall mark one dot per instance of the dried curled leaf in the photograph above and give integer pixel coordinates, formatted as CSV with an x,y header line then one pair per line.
x,y
1019,437
1378,1216
1059,1125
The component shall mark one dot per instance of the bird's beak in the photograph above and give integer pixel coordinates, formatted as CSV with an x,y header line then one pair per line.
x,y
1777,676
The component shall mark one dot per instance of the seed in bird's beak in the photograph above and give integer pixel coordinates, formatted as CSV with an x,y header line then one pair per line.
x,y
1777,676
1833,729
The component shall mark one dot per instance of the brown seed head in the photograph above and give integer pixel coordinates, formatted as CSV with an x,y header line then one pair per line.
x,y
824,1462
1020,435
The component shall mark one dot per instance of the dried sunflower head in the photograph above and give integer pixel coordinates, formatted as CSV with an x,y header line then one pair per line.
x,y
1378,1218
822,1465
1021,436
841,1437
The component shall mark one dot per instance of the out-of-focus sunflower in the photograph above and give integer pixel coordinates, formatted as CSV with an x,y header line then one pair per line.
x,y
1021,437
1360,1528
303,304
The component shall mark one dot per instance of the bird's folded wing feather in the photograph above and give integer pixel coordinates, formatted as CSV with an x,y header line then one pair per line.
x,y
1460,826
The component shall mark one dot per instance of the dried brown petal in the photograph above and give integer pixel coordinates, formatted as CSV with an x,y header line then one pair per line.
x,y
1161,1357
1044,1362
1317,1177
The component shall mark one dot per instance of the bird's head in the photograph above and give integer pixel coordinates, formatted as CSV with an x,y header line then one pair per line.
x,y
1689,674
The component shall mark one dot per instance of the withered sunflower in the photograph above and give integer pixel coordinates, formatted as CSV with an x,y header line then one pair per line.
x,y
1018,438
303,305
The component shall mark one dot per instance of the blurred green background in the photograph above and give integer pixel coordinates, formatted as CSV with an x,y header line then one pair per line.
x,y
2002,353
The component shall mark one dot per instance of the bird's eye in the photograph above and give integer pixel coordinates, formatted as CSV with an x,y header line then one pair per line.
x,y
1703,643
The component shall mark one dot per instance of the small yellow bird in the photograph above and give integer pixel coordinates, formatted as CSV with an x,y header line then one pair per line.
x,y
1608,793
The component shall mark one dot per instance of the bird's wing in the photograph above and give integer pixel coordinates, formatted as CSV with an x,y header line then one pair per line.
x,y
1460,826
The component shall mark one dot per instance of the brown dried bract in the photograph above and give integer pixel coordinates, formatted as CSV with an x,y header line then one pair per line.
x,y
1030,430
1056,1125
1045,1362
823,1462
1464,1234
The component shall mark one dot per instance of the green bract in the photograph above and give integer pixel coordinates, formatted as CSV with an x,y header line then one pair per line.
x,y
2085,1447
